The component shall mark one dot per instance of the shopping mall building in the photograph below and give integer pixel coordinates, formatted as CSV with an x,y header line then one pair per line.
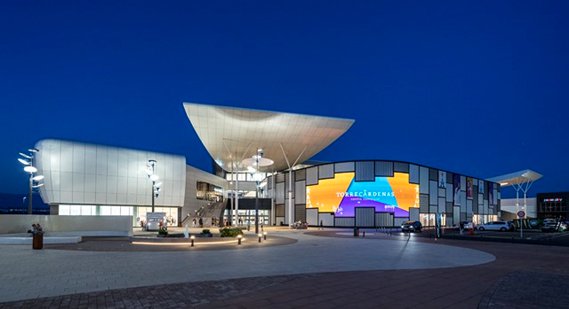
x,y
265,153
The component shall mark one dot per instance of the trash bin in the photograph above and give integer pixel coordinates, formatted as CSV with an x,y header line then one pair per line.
x,y
37,241
356,232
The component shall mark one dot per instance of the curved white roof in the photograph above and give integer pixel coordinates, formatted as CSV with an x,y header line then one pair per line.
x,y
516,178
232,134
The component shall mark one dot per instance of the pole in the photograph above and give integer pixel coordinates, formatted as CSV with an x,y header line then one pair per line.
x,y
30,194
153,184
290,184
257,196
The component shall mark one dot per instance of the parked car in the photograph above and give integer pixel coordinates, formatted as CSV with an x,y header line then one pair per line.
x,y
552,225
299,225
501,226
467,225
411,226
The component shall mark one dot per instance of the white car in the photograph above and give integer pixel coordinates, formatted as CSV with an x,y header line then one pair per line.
x,y
501,226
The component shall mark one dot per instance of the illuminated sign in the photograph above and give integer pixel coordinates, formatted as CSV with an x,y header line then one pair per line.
x,y
342,194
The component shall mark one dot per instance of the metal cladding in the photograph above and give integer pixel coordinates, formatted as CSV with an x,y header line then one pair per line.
x,y
231,135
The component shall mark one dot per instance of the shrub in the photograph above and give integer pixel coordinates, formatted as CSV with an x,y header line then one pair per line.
x,y
163,231
206,231
230,232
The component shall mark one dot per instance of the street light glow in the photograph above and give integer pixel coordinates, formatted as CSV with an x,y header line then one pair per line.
x,y
30,169
38,178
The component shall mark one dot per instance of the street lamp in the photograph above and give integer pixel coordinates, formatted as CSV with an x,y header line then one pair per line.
x,y
27,160
150,165
253,164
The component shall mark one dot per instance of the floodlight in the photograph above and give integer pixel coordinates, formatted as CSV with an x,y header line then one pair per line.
x,y
158,185
37,186
38,178
24,162
30,169
34,150
25,155
154,177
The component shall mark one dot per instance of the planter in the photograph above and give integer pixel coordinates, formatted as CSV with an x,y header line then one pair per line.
x,y
37,241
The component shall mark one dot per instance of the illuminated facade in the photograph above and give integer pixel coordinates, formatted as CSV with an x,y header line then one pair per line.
x,y
383,193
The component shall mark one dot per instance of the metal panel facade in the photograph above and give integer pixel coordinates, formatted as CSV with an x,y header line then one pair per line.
x,y
365,171
312,176
424,180
413,173
79,173
326,171
280,196
383,219
312,216
383,168
401,167
300,190
434,193
344,167
343,222
365,216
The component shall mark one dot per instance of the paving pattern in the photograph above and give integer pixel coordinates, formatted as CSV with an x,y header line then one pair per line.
x,y
510,280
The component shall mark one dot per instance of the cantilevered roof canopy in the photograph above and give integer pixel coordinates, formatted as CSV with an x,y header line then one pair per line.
x,y
516,178
232,134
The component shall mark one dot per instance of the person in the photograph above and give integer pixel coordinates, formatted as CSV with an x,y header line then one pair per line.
x,y
461,226
194,222
240,221
201,222
321,225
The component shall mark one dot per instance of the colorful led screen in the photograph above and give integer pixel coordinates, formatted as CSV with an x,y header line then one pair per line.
x,y
342,194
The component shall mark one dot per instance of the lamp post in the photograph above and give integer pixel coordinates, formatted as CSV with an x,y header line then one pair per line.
x,y
150,165
34,180
257,161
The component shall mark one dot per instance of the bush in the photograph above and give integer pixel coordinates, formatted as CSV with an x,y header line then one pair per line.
x,y
163,231
230,232
206,231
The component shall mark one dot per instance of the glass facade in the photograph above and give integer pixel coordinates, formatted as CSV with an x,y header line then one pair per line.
x,y
138,213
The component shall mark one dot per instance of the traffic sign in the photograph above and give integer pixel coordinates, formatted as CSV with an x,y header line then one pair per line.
x,y
521,214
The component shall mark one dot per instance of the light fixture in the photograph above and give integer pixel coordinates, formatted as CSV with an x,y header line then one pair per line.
x,y
150,171
253,164
30,169
25,155
38,178
28,161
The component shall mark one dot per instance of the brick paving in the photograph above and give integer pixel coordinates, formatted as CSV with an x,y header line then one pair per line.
x,y
522,276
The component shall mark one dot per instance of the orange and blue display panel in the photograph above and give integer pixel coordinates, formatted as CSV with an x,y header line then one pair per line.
x,y
342,194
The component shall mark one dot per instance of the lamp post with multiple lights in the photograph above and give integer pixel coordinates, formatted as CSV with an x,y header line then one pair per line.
x,y
150,165
28,161
254,163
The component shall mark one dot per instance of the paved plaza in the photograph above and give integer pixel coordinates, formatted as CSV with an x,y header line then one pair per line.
x,y
318,268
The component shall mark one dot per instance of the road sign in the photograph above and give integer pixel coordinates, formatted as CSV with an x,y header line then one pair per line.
x,y
521,214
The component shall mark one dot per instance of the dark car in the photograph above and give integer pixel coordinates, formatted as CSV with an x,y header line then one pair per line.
x,y
411,226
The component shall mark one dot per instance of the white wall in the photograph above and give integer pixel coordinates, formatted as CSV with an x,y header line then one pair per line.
x,y
79,173
78,225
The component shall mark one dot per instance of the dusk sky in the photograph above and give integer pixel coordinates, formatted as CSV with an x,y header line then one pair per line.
x,y
485,81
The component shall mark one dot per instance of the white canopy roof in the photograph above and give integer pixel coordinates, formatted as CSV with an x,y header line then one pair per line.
x,y
231,134
516,178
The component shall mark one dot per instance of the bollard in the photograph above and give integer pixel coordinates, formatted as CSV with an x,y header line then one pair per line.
x,y
239,239
260,236
192,238
264,235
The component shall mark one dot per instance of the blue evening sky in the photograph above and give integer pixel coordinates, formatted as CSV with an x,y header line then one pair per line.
x,y
476,87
